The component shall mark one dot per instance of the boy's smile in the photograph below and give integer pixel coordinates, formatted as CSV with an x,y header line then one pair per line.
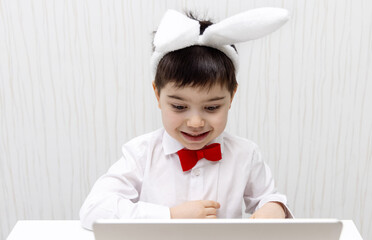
x,y
194,116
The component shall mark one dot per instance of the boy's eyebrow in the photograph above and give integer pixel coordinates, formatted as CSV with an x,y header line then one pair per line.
x,y
215,99
176,97
209,100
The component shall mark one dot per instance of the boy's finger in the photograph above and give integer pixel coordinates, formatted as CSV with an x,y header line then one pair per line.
x,y
211,211
210,203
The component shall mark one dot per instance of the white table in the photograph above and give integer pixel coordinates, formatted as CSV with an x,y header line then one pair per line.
x,y
71,229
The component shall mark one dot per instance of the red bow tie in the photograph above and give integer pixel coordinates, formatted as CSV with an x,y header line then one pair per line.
x,y
189,158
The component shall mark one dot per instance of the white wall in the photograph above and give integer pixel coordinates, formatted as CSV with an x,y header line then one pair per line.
x,y
75,84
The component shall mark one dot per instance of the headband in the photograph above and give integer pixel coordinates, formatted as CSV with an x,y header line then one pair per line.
x,y
177,31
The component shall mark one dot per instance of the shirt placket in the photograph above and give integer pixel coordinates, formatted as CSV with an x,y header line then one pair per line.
x,y
196,183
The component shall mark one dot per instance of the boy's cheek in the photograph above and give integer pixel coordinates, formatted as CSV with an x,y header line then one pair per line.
x,y
221,117
171,118
219,121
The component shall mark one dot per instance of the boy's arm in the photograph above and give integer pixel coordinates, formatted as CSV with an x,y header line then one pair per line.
x,y
260,196
115,195
270,210
195,209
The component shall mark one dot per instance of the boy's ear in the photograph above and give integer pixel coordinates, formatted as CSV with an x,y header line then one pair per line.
x,y
232,97
156,93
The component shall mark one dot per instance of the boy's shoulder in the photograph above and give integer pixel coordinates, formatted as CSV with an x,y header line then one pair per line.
x,y
139,146
146,139
237,142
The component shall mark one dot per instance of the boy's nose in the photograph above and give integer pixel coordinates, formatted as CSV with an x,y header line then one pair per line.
x,y
195,121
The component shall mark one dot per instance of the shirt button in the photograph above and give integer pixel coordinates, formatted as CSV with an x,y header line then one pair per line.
x,y
196,172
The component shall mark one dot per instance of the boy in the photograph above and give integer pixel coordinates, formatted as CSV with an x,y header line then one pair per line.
x,y
191,168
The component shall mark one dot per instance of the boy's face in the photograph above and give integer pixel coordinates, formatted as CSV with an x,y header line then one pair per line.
x,y
194,116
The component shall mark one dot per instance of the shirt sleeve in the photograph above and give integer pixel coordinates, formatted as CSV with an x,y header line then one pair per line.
x,y
260,188
116,194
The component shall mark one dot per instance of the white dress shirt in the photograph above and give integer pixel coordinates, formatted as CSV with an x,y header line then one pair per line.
x,y
148,180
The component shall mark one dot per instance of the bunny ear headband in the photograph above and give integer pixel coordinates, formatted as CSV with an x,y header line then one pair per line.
x,y
177,31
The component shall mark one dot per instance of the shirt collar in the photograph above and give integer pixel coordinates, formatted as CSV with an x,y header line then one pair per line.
x,y
171,145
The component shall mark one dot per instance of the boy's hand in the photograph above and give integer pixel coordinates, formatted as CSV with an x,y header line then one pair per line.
x,y
195,209
270,210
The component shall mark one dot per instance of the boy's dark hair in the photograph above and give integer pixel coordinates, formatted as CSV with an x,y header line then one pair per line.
x,y
196,66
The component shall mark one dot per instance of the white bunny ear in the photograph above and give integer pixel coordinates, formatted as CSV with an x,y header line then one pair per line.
x,y
245,26
176,31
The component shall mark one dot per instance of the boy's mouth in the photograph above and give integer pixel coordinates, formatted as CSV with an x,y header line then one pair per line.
x,y
195,137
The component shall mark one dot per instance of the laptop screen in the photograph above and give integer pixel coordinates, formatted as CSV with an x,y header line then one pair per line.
x,y
218,229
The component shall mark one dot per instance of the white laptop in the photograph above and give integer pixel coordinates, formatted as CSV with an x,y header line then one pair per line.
x,y
218,229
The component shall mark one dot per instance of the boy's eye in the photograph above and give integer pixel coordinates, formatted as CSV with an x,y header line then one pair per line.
x,y
179,107
212,108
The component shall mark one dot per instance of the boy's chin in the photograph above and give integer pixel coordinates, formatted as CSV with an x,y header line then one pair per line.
x,y
194,146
